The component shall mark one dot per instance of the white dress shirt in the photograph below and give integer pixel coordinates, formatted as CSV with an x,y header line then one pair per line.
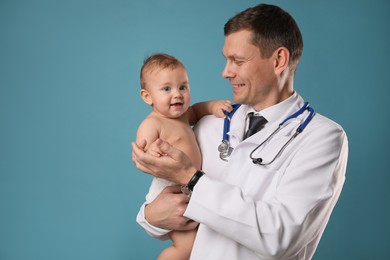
x,y
280,211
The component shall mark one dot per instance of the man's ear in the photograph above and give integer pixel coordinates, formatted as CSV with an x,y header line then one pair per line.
x,y
282,58
146,97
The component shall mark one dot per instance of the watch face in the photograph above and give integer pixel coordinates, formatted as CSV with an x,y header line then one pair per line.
x,y
186,190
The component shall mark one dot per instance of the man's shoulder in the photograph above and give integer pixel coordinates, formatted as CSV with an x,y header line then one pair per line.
x,y
322,121
324,128
209,122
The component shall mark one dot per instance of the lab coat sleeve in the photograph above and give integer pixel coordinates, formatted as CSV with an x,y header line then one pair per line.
x,y
279,227
152,231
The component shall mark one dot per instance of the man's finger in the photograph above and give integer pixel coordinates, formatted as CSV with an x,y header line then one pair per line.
x,y
168,149
138,156
190,225
142,144
173,189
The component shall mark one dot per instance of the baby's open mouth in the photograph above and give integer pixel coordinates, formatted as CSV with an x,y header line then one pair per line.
x,y
178,104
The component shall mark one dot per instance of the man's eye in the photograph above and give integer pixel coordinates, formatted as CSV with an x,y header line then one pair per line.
x,y
239,62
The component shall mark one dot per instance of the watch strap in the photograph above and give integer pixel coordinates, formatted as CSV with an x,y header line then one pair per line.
x,y
189,187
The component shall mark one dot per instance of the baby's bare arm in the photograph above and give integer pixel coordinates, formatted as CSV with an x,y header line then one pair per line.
x,y
212,107
147,133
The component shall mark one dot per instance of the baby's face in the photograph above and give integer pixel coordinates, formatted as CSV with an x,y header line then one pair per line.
x,y
169,91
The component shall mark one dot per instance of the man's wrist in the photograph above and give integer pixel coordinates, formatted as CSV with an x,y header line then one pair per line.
x,y
189,187
150,228
146,213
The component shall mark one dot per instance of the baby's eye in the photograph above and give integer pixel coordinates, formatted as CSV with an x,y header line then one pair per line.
x,y
166,88
183,87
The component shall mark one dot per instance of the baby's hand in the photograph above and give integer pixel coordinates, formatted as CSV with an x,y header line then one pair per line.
x,y
219,106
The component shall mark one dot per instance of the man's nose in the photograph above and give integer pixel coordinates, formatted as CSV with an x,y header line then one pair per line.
x,y
227,71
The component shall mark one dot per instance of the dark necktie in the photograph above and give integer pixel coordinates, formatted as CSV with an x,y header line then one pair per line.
x,y
256,123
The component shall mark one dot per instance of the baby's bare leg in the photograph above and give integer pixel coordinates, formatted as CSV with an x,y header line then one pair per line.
x,y
182,246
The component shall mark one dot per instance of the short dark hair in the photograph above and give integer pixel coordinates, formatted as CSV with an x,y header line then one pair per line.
x,y
158,61
271,28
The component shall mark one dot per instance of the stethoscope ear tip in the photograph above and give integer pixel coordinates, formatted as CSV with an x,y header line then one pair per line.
x,y
257,161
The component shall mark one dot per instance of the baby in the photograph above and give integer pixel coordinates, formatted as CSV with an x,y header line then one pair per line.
x,y
165,87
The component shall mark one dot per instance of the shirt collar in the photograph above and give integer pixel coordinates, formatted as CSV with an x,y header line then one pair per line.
x,y
278,112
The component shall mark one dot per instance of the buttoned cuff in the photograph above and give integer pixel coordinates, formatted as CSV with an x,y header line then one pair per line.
x,y
151,230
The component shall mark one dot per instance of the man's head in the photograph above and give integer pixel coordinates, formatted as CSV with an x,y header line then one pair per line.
x,y
271,28
262,48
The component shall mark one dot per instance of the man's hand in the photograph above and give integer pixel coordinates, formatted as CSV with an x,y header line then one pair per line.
x,y
167,210
174,165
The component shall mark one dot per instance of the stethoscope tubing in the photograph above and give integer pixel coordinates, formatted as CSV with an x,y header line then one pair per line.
x,y
226,122
225,148
301,127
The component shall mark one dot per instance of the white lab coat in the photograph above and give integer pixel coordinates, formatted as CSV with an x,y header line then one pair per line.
x,y
279,211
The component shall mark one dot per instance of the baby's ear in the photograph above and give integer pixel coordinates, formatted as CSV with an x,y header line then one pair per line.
x,y
146,97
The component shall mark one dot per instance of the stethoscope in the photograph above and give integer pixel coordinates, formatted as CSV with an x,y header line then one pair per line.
x,y
225,150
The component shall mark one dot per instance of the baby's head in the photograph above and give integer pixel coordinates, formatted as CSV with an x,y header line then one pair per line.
x,y
164,85
157,62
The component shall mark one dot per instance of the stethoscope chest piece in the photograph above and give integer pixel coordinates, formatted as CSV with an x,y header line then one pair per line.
x,y
225,150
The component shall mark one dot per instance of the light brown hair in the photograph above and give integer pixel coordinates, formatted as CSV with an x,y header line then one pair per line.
x,y
158,61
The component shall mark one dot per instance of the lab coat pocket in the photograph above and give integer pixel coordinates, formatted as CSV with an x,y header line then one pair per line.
x,y
265,178
254,180
261,182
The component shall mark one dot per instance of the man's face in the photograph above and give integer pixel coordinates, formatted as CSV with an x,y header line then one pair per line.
x,y
252,77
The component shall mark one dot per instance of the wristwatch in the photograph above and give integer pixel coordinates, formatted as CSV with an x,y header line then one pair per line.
x,y
189,187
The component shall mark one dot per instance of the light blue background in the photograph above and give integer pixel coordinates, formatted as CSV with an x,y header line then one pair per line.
x,y
69,108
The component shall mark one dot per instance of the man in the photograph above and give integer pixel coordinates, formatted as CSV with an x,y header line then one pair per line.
x,y
276,207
